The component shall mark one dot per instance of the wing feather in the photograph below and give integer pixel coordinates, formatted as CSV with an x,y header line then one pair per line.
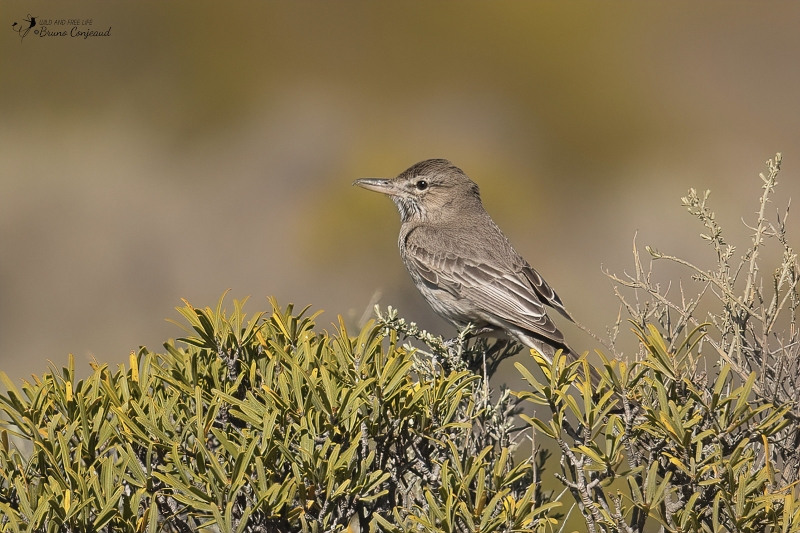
x,y
502,296
544,291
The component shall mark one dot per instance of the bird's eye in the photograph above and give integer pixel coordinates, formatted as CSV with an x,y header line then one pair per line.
x,y
422,185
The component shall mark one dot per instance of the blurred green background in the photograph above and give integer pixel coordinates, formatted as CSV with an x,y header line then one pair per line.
x,y
207,145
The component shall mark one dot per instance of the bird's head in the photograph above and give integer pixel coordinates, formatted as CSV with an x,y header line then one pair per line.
x,y
434,189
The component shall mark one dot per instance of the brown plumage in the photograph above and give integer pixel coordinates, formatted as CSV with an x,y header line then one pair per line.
x,y
463,264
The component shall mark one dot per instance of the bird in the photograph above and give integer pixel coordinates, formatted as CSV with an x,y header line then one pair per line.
x,y
463,264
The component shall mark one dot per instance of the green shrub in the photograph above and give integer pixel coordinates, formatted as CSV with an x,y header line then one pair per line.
x,y
263,425
688,457
270,425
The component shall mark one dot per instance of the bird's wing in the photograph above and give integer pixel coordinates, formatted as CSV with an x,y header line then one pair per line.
x,y
545,292
503,296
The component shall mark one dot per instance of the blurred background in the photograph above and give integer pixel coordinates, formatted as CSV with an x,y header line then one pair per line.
x,y
204,146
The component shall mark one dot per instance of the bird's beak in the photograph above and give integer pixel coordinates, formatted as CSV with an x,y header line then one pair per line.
x,y
378,185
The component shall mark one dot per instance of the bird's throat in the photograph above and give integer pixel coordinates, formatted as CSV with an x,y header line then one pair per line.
x,y
409,208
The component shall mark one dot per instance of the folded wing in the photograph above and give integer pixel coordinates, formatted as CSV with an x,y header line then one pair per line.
x,y
503,295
